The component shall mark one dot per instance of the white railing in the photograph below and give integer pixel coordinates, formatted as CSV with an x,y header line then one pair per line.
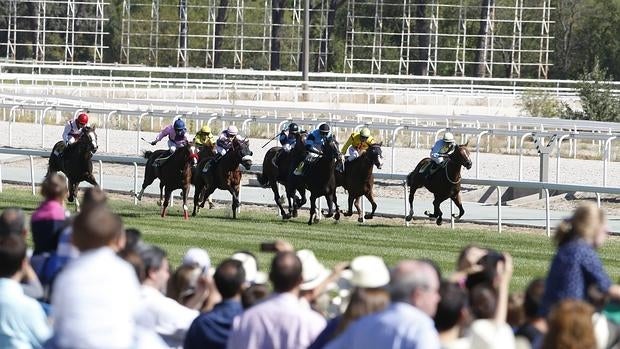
x,y
495,183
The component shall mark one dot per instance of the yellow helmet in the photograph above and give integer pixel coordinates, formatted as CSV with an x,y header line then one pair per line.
x,y
365,132
205,129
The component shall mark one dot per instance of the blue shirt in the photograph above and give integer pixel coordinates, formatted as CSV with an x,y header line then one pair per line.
x,y
287,139
22,321
574,268
211,330
328,333
441,147
400,326
315,140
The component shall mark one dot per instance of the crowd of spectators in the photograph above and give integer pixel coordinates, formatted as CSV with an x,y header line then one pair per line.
x,y
88,282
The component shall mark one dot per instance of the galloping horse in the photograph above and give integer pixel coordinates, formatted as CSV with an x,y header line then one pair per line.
x,y
444,184
175,173
358,179
320,180
76,161
225,175
205,153
271,175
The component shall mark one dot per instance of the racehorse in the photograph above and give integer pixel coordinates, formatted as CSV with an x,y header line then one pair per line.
x,y
175,173
444,184
358,179
320,180
76,160
205,152
271,175
224,175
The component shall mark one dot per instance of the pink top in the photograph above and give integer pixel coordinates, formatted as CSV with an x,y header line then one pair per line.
x,y
180,141
49,210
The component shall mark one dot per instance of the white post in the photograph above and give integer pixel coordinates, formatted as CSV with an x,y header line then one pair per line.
x,y
451,214
34,191
547,213
139,127
598,200
101,174
11,122
394,134
106,120
559,156
606,158
1,178
135,182
521,154
406,202
478,152
363,209
43,114
499,209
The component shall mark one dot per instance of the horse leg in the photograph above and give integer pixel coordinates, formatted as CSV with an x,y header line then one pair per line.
x,y
72,190
437,210
276,197
412,191
312,209
235,200
161,193
335,199
330,206
370,198
166,202
184,193
149,178
457,201
359,209
91,179
350,202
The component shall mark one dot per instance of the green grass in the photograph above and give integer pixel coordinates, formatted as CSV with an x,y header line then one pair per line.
x,y
221,236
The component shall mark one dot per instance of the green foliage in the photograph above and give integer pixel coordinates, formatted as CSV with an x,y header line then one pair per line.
x,y
541,104
597,99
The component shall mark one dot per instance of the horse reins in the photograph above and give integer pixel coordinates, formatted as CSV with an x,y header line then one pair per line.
x,y
448,177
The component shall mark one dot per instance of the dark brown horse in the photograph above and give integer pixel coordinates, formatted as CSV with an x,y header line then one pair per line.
x,y
224,175
76,161
319,180
272,175
444,184
205,153
358,180
175,173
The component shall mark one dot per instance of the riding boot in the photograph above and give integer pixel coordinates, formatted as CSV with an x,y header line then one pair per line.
x,y
211,163
300,170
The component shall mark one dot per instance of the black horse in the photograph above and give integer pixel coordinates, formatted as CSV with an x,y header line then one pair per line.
x,y
320,180
444,184
75,160
224,175
175,173
358,179
272,175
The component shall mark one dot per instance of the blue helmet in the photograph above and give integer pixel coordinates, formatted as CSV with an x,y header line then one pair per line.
x,y
179,125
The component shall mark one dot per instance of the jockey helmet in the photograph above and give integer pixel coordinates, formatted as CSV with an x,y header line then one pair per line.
x,y
365,132
205,129
232,130
293,128
324,129
448,137
82,119
179,125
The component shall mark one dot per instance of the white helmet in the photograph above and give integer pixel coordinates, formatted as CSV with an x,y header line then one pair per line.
x,y
448,137
232,130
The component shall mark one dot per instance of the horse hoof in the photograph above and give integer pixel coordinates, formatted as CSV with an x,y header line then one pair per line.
x,y
282,200
159,202
337,216
409,218
211,206
193,214
439,221
286,216
294,214
328,215
310,221
427,213
348,214
368,216
316,219
360,220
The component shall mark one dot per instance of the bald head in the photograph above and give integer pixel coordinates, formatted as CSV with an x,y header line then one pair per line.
x,y
12,221
417,283
95,228
285,272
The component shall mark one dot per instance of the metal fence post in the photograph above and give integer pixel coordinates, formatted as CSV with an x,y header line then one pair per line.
x,y
135,182
101,174
547,213
479,137
406,202
525,135
43,114
499,209
34,192
1,178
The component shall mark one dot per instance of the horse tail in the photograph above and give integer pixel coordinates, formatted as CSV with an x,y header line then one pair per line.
x,y
147,154
262,180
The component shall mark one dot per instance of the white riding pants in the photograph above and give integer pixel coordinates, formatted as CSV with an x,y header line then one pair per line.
x,y
353,154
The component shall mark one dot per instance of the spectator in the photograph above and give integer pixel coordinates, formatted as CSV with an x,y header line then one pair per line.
x,y
22,321
452,316
95,295
535,325
49,219
134,240
515,315
253,276
369,277
253,295
467,263
212,329
165,316
576,264
281,321
182,285
570,326
407,322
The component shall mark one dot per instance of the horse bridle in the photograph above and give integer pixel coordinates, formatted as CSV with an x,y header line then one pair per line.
x,y
446,168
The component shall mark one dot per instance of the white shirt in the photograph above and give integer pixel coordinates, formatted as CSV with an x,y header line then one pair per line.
x,y
94,302
165,316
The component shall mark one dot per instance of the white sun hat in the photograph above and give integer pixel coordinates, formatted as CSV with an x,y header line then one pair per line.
x,y
313,272
250,266
197,257
369,272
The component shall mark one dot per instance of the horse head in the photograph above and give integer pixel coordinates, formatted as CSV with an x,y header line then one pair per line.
x,y
375,155
461,156
332,149
242,149
88,140
192,154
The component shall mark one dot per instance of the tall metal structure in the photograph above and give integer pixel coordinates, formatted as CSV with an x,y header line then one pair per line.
x,y
51,30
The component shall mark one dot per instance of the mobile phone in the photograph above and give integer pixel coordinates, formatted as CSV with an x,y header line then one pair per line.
x,y
268,247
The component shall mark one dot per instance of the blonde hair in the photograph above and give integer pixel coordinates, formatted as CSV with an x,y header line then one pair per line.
x,y
54,187
586,222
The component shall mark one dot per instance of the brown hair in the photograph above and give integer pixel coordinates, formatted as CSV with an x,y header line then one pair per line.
x,y
54,187
570,326
363,301
96,228
182,283
585,222
93,197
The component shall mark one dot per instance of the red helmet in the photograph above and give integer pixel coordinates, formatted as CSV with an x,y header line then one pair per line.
x,y
82,119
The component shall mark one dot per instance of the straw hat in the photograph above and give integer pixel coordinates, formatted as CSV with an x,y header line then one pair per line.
x,y
369,272
313,272
250,266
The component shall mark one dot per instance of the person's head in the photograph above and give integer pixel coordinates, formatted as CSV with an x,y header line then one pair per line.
x,y
570,326
205,130
253,294
156,267
469,257
250,266
182,283
448,137
452,308
179,127
416,283
54,187
483,301
229,278
516,315
533,298
97,228
286,272
134,259
12,255
363,301
364,134
293,128
133,239
232,131
13,222
82,120
93,197
324,130
588,222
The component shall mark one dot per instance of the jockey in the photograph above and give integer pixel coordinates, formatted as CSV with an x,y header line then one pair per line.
x,y
441,150
358,143
314,146
204,137
72,132
176,139
287,140
223,144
